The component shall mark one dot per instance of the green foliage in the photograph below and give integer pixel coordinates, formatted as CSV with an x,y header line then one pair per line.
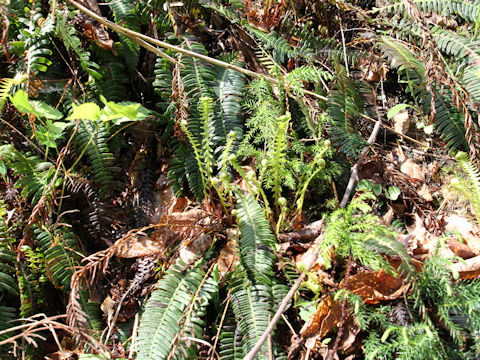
x,y
66,32
344,107
470,188
59,248
38,178
257,241
411,333
356,232
174,312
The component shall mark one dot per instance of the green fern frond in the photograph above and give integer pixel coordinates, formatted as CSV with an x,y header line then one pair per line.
x,y
344,105
252,309
465,9
256,242
163,326
66,32
449,122
228,90
278,156
36,176
61,259
91,139
402,58
473,191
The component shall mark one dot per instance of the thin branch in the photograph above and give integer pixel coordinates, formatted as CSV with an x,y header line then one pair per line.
x,y
282,307
353,176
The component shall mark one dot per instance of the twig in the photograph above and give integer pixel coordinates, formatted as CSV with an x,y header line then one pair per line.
x,y
136,35
353,176
281,308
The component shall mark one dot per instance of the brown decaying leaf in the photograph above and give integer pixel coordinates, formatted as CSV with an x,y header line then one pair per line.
x,y
327,316
401,122
470,233
376,286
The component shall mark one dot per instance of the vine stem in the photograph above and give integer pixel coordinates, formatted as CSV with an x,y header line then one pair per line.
x,y
282,306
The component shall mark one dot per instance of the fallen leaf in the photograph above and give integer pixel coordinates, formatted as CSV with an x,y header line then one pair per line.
x,y
228,255
468,269
470,233
425,193
195,248
376,286
412,170
320,323
142,245
460,249
401,122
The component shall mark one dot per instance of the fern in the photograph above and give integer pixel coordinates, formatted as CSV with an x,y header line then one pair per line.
x,y
66,32
58,247
257,241
38,177
91,138
277,154
356,232
123,12
165,324
344,105
471,189
463,8
252,309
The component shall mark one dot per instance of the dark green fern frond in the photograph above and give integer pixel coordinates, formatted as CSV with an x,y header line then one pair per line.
x,y
252,309
91,139
256,242
37,176
465,9
344,107
123,12
61,257
66,32
174,312
449,122
228,90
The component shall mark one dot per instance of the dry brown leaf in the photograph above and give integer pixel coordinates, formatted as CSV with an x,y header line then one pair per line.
x,y
195,248
376,286
469,269
228,255
327,316
460,249
412,170
425,193
401,122
469,232
425,241
142,245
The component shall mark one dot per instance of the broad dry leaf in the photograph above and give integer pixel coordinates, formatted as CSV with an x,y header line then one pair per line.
x,y
228,257
412,170
195,248
320,323
376,286
469,269
469,232
142,245
401,122
425,193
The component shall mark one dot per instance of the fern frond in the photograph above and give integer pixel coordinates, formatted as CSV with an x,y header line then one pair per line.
x,y
473,193
256,241
61,259
228,90
465,9
178,292
91,139
277,154
252,309
344,105
37,176
66,32
449,122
